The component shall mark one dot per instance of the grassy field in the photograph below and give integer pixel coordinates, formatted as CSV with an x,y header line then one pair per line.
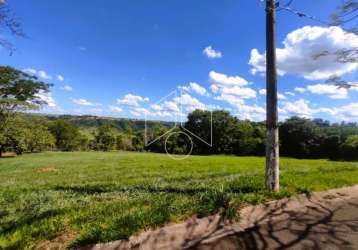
x,y
95,197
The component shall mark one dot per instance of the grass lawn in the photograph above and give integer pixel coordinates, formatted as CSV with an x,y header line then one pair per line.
x,y
94,197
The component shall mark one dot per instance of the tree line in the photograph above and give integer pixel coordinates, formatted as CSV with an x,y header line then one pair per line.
x,y
21,132
300,137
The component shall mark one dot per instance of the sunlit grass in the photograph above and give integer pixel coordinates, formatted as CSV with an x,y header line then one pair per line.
x,y
108,196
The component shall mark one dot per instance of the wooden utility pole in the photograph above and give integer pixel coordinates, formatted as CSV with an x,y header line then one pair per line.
x,y
272,139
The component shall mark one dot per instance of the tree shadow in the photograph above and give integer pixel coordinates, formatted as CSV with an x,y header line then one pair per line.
x,y
318,227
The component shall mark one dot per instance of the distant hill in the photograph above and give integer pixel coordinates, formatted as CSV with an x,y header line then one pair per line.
x,y
122,124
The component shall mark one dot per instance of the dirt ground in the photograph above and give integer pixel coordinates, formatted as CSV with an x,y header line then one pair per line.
x,y
324,220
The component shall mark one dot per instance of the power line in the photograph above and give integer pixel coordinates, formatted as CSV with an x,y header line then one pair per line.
x,y
286,7
304,15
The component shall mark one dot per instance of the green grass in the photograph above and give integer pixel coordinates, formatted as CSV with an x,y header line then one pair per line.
x,y
99,197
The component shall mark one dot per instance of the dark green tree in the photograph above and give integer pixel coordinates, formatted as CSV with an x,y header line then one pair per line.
x,y
300,138
18,92
104,138
349,149
67,136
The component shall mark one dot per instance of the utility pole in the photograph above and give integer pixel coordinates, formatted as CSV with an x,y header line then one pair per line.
x,y
272,138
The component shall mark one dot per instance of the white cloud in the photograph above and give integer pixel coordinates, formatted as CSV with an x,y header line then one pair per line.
x,y
279,95
60,78
348,112
189,103
302,108
47,97
299,108
290,93
224,80
230,86
84,102
132,100
300,90
300,48
67,88
212,53
242,92
331,90
231,99
39,73
167,106
196,88
30,71
248,112
115,109
43,74
140,112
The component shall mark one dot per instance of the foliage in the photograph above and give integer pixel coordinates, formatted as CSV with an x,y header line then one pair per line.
x,y
12,135
67,136
104,139
38,137
18,90
300,138
349,148
10,24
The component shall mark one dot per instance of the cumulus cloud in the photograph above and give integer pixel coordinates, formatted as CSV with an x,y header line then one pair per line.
x,y
300,90
279,95
212,53
348,112
84,102
43,74
47,97
39,73
234,91
60,78
67,88
167,106
196,88
300,49
303,108
224,80
115,109
140,112
132,100
242,92
331,90
230,85
189,103
290,93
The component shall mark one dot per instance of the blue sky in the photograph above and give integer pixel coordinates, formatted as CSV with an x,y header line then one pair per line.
x,y
119,58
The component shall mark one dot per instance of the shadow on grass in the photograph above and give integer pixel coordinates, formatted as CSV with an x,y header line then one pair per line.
x,y
97,189
28,219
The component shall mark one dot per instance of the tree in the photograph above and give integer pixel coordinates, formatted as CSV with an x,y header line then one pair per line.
x,y
343,16
37,135
199,122
8,23
18,91
300,138
246,139
67,136
349,148
105,139
12,136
